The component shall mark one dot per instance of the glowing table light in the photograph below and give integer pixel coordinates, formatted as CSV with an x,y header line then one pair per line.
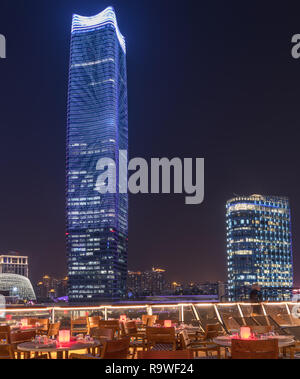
x,y
168,324
64,336
245,333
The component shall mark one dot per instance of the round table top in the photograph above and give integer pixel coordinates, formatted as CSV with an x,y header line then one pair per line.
x,y
283,341
48,348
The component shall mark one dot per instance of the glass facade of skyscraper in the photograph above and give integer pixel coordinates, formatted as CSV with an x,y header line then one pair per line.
x,y
259,247
97,224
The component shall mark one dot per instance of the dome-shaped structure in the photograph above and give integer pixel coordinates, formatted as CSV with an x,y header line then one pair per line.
x,y
17,285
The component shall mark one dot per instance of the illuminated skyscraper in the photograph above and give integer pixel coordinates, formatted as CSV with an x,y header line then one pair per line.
x,y
259,247
97,224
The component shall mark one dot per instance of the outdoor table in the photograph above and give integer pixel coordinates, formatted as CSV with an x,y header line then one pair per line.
x,y
283,341
62,349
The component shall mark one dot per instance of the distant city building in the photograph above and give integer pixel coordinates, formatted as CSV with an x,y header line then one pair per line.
x,y
217,290
14,263
97,223
16,286
259,247
50,288
145,283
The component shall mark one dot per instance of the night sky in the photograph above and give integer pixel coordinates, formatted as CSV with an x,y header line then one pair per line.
x,y
205,79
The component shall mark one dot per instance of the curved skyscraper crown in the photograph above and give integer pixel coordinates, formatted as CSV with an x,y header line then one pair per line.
x,y
259,247
97,224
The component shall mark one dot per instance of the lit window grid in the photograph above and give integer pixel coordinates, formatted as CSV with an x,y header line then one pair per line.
x,y
259,247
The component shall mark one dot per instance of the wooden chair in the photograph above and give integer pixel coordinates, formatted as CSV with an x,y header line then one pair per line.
x,y
44,324
111,324
160,338
32,321
178,354
117,349
149,320
123,332
93,322
79,326
6,351
53,329
137,338
260,349
20,336
198,346
211,331
132,330
5,333
102,334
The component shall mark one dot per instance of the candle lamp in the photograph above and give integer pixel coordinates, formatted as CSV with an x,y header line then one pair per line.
x,y
64,336
168,324
245,333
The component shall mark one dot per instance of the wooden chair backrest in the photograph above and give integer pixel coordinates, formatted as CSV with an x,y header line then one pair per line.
x,y
131,327
212,331
32,321
79,325
179,354
80,321
110,324
149,320
102,334
260,349
44,323
122,329
117,349
20,336
160,335
184,339
5,333
6,352
93,322
53,329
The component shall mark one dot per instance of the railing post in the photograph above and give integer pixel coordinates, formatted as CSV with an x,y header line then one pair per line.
x,y
149,310
53,315
105,313
218,316
181,313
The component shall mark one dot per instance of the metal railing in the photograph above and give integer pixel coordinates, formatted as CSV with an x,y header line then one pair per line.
x,y
229,315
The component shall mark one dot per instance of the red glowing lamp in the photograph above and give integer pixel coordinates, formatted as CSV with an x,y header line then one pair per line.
x,y
64,336
8,317
123,318
245,333
168,324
